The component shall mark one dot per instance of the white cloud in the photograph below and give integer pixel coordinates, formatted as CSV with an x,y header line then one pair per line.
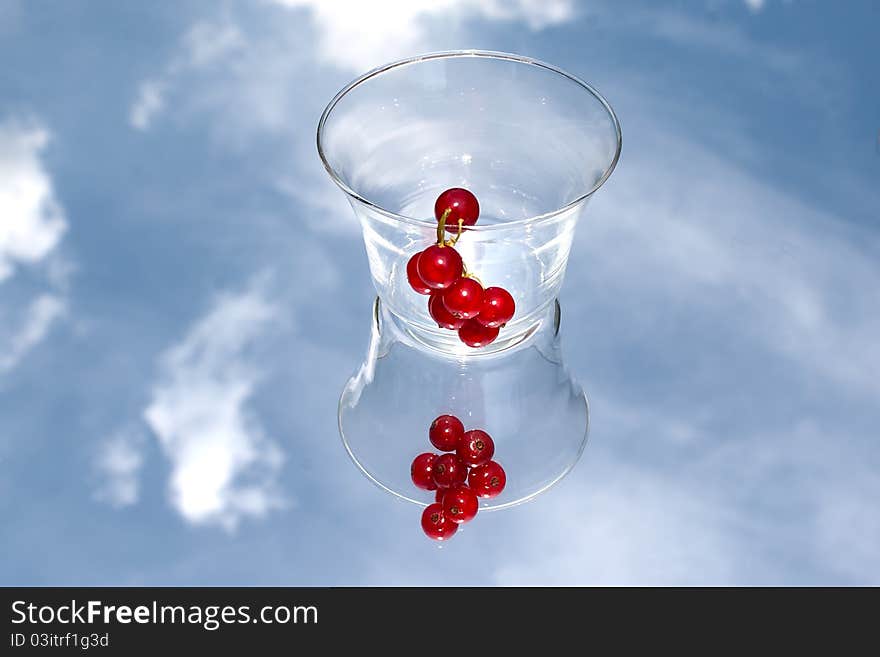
x,y
32,223
38,318
203,45
637,527
31,220
736,246
359,35
223,465
118,465
208,42
645,508
537,14
150,101
755,6
353,35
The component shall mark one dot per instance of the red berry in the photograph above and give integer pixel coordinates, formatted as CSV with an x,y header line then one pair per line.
x,y
464,298
439,495
435,523
460,504
476,447
439,266
497,307
449,470
421,471
487,480
462,205
412,275
445,432
474,334
443,317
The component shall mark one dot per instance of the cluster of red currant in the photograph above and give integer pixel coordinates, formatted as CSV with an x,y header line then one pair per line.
x,y
464,473
457,300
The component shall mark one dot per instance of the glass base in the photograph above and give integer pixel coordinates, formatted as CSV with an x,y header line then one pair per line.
x,y
522,395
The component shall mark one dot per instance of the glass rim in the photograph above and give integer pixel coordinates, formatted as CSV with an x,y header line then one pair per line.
x,y
450,54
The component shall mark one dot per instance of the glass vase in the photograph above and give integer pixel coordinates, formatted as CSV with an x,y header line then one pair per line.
x,y
533,143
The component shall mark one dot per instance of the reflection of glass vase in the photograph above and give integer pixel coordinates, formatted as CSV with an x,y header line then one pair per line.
x,y
533,143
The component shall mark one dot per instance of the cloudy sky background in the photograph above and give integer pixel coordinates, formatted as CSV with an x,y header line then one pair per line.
x,y
183,293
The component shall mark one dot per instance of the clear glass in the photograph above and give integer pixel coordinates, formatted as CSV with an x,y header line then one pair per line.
x,y
533,143
523,397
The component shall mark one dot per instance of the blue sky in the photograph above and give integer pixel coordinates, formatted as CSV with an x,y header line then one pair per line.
x,y
183,293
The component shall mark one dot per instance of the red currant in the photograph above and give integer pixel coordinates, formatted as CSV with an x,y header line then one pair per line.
x,y
474,334
462,205
476,447
445,433
412,274
435,523
487,480
449,470
496,308
421,471
439,266
463,298
460,504
443,317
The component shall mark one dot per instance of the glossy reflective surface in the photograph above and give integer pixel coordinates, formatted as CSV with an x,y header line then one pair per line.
x,y
183,293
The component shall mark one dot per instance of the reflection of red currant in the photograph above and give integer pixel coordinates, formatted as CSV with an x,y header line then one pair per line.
x,y
487,480
449,470
458,477
476,447
421,471
435,523
442,316
445,432
412,275
496,308
460,504
439,266
462,206
474,334
464,298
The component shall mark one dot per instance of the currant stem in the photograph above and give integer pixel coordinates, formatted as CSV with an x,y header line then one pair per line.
x,y
458,235
441,227
441,230
467,274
